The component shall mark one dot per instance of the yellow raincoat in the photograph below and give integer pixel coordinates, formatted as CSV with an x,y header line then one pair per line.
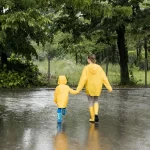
x,y
61,93
93,77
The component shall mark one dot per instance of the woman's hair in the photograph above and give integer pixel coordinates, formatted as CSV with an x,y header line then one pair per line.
x,y
92,57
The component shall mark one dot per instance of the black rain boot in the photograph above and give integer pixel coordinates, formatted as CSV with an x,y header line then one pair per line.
x,y
96,118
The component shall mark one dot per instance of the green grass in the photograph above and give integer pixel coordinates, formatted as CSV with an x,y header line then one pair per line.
x,y
113,73
73,72
61,67
140,77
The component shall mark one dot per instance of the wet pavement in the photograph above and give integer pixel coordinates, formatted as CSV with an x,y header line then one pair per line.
x,y
28,121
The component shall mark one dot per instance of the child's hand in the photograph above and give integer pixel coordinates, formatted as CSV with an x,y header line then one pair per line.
x,y
76,91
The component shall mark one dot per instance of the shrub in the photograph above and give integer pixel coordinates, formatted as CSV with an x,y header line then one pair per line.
x,y
19,73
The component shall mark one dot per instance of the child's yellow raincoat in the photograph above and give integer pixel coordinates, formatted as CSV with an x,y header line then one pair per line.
x,y
93,77
61,93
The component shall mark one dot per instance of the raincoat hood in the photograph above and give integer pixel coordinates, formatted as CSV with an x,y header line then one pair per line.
x,y
93,68
62,92
62,80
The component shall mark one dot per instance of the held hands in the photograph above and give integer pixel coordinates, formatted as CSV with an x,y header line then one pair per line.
x,y
76,91
110,90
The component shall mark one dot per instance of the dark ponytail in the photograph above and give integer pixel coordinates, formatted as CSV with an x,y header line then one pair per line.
x,y
92,57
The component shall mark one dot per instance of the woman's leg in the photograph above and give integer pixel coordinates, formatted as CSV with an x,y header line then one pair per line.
x,y
96,105
96,108
91,108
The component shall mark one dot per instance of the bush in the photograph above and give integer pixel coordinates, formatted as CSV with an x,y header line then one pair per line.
x,y
19,74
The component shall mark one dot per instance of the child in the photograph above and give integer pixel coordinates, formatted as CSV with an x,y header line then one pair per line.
x,y
61,95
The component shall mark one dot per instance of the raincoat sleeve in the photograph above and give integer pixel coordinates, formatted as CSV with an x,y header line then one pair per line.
x,y
55,95
71,91
83,79
106,82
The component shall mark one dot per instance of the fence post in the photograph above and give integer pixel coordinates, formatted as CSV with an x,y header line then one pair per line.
x,y
145,47
107,62
48,68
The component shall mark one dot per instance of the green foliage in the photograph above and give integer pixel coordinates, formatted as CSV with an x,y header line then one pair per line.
x,y
79,4
67,68
122,11
21,22
64,66
133,79
19,74
78,27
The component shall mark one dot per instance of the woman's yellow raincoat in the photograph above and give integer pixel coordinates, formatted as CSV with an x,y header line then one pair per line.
x,y
93,77
61,93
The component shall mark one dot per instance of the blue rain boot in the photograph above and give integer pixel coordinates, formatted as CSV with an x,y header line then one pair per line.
x,y
64,111
59,127
59,115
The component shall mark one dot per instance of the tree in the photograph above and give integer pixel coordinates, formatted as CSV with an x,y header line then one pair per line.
x,y
107,17
142,25
113,23
20,23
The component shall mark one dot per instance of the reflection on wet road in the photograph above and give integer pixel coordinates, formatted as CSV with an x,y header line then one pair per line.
x,y
28,121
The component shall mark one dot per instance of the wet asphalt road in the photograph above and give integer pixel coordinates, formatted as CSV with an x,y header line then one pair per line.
x,y
28,121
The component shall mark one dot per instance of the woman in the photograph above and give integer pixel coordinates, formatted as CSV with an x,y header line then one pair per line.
x,y
93,77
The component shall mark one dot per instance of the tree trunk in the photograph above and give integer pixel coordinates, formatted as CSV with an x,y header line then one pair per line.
x,y
3,58
146,61
107,62
49,76
124,73
138,51
76,55
113,58
81,58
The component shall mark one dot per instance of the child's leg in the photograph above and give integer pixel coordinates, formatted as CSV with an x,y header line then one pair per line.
x,y
59,115
64,111
59,127
91,108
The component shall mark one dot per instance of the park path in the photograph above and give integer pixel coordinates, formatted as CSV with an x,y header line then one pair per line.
x,y
28,121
